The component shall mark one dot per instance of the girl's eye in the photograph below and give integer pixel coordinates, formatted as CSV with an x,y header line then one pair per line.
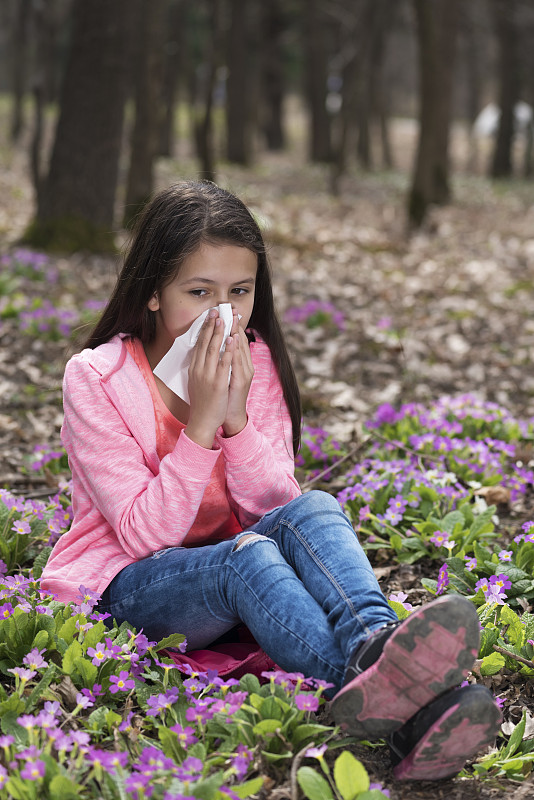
x,y
198,292
240,291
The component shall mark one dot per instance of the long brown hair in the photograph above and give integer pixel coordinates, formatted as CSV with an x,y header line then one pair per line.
x,y
172,226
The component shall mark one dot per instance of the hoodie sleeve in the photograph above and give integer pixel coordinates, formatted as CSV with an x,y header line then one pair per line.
x,y
147,511
259,460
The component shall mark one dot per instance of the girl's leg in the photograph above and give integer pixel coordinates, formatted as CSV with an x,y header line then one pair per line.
x,y
318,541
205,591
393,671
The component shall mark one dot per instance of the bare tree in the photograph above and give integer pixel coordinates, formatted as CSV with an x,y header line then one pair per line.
x,y
148,104
238,94
505,16
274,26
205,87
436,32
19,61
316,37
172,68
76,205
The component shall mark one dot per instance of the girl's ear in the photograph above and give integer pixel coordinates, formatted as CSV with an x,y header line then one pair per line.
x,y
153,303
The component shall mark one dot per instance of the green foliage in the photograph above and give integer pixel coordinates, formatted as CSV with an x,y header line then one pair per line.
x,y
348,781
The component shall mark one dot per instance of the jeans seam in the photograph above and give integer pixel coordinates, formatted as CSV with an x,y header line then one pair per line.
x,y
327,574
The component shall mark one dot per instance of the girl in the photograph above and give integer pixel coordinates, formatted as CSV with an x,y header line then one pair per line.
x,y
187,516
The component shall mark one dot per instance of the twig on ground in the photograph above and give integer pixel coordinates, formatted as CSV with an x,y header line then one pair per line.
x,y
515,657
294,768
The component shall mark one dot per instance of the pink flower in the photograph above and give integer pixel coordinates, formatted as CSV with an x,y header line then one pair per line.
x,y
307,702
122,683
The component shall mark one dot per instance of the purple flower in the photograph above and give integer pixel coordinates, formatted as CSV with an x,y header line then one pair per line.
x,y
201,711
21,526
84,701
185,735
400,597
505,555
501,581
161,702
6,610
380,788
23,674
439,538
35,659
443,579
470,564
307,702
316,752
495,595
33,770
121,683
87,596
99,654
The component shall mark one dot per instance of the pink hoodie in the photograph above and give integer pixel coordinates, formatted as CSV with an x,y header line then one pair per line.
x,y
127,503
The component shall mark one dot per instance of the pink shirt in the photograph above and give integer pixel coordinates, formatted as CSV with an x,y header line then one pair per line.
x,y
128,502
215,519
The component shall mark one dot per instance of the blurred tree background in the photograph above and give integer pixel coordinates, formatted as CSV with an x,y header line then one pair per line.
x,y
99,91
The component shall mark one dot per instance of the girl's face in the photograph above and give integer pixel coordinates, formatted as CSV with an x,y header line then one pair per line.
x,y
211,275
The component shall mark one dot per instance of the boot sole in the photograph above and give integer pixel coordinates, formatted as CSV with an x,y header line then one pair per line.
x,y
430,652
465,729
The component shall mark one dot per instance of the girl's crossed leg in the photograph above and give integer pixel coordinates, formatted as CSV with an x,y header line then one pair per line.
x,y
298,579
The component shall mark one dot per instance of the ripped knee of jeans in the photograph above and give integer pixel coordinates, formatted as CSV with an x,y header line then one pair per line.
x,y
248,538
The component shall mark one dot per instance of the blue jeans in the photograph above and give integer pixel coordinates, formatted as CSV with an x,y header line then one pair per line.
x,y
303,587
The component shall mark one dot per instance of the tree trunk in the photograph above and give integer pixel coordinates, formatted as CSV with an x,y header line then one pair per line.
x,y
19,61
473,52
238,122
316,50
173,65
272,74
205,92
436,29
77,203
507,36
148,106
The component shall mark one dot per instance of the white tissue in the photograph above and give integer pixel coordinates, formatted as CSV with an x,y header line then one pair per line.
x,y
173,367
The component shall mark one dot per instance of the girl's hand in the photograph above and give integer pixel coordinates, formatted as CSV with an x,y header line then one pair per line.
x,y
208,382
240,381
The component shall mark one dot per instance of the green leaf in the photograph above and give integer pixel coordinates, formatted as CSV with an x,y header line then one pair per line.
x,y
488,638
249,683
87,670
308,731
350,776
430,584
248,787
313,785
63,788
491,664
72,654
174,640
515,631
399,609
267,726
516,738
37,692
17,788
450,520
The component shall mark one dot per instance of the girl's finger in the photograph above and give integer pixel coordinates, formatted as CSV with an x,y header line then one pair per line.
x,y
235,322
244,346
210,345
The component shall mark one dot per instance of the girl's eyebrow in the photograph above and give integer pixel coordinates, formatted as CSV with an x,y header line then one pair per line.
x,y
252,281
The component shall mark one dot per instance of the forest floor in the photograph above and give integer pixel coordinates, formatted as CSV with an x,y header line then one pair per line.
x,y
447,310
